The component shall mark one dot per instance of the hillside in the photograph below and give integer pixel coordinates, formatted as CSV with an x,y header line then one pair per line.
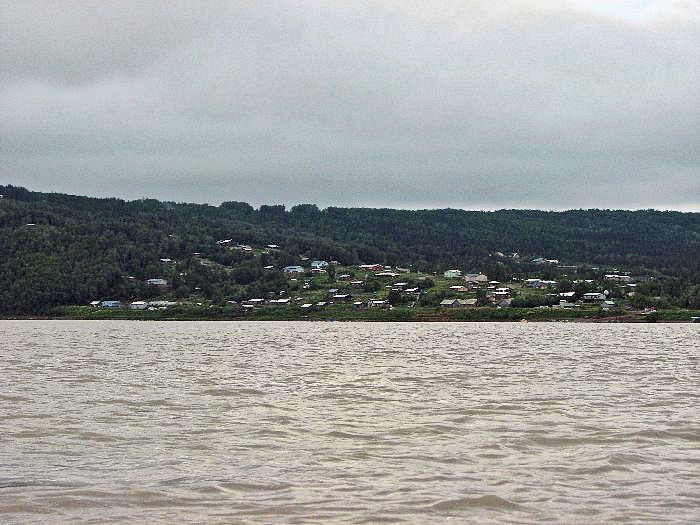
x,y
58,249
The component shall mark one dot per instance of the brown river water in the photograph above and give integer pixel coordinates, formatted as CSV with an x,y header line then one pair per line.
x,y
298,422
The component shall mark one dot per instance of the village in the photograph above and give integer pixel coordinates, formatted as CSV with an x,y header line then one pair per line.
x,y
313,285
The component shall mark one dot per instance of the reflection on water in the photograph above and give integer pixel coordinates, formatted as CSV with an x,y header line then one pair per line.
x,y
361,423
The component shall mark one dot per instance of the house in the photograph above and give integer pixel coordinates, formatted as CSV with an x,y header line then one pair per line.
x,y
161,304
402,270
356,283
459,289
138,305
385,274
453,274
342,277
450,303
593,297
319,264
532,283
505,303
476,278
618,278
157,282
359,305
306,306
110,304
283,301
608,305
379,303
502,293
415,291
293,270
321,304
273,246
342,298
567,295
457,303
372,267
94,304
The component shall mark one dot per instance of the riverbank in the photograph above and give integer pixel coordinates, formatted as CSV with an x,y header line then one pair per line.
x,y
347,313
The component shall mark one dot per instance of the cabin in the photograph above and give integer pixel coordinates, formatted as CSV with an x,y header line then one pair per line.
x,y
161,304
379,303
110,304
372,267
450,303
457,303
593,297
138,305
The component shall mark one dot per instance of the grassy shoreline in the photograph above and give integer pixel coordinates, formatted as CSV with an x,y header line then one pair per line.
x,y
340,313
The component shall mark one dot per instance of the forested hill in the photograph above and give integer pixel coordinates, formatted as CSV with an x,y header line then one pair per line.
x,y
65,249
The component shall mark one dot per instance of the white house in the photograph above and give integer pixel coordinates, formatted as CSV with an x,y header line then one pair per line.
x,y
319,264
138,305
452,274
293,269
593,297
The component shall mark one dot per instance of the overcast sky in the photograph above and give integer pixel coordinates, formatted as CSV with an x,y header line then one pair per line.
x,y
472,104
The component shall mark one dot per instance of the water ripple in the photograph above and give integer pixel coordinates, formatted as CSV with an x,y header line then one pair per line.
x,y
117,422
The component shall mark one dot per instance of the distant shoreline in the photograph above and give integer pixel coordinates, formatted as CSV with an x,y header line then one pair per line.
x,y
418,315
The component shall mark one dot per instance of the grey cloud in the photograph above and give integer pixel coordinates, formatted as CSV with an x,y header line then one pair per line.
x,y
392,103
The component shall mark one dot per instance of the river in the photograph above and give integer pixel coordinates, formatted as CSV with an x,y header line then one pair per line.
x,y
298,422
